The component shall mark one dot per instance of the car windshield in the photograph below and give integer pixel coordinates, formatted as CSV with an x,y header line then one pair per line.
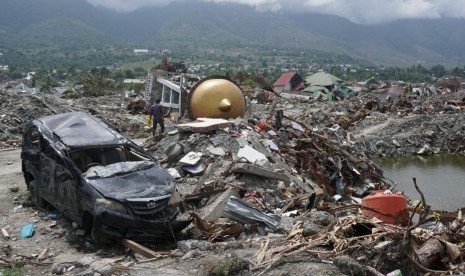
x,y
117,169
104,156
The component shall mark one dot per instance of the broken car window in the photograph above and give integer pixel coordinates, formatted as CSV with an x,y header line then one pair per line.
x,y
117,169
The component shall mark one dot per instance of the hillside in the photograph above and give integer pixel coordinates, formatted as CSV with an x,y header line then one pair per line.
x,y
200,25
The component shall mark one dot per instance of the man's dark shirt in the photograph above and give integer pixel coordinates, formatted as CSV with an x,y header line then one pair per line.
x,y
157,111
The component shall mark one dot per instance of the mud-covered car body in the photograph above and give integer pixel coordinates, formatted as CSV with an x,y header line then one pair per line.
x,y
98,178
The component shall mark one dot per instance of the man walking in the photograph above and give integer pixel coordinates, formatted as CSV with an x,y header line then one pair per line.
x,y
156,112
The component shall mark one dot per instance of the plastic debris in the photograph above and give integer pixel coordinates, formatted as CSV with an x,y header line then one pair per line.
x,y
191,158
27,230
239,211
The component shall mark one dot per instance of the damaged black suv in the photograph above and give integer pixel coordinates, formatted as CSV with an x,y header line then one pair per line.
x,y
92,174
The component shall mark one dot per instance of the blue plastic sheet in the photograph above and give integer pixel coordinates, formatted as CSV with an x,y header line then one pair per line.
x,y
27,231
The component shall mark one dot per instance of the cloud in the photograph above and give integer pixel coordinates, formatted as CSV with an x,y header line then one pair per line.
x,y
128,5
261,5
361,11
375,11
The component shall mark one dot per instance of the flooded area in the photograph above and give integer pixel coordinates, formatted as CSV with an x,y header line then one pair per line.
x,y
441,178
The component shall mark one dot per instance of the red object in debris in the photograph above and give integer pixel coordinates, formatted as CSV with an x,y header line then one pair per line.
x,y
252,194
390,204
261,126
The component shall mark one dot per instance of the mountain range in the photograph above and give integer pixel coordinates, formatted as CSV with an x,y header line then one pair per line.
x,y
29,24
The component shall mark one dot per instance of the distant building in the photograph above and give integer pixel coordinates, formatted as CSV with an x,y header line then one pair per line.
x,y
291,81
141,51
133,84
166,52
134,81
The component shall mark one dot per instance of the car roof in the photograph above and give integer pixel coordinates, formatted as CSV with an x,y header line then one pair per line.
x,y
80,129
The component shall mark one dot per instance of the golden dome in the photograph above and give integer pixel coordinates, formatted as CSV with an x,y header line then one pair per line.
x,y
216,97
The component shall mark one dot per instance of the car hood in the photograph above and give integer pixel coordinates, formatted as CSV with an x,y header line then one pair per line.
x,y
125,180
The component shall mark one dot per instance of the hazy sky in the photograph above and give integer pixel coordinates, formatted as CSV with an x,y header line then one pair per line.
x,y
361,11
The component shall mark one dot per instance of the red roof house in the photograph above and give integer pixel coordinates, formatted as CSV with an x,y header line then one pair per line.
x,y
291,81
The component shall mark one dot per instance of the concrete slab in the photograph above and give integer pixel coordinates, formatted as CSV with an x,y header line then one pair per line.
x,y
214,211
250,154
256,170
203,125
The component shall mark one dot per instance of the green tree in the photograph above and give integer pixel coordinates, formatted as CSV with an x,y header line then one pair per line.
x,y
94,85
140,71
49,83
129,74
438,71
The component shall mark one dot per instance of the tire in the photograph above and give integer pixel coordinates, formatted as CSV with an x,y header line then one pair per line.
x,y
35,197
98,238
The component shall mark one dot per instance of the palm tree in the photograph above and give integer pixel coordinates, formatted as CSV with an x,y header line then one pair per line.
x,y
49,83
94,85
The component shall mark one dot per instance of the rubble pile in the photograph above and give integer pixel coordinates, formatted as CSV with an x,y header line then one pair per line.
x,y
136,106
393,127
17,109
285,183
294,153
266,176
290,177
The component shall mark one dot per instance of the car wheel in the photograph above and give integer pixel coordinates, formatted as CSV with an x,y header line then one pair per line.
x,y
99,238
35,197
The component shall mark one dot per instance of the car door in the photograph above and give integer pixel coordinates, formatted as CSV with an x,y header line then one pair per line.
x,y
47,167
66,186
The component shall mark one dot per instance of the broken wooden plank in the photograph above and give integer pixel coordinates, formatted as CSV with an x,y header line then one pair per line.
x,y
5,233
201,195
43,254
138,248
215,230
13,141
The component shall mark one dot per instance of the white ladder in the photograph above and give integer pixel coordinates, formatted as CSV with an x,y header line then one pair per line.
x,y
148,86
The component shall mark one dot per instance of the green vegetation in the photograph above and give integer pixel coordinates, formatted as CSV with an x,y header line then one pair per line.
x,y
97,83
102,70
228,266
17,270
54,33
61,40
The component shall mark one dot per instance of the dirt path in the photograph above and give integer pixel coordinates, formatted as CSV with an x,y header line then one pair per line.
x,y
52,234
373,128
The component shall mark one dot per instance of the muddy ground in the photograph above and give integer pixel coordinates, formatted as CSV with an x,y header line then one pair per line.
x,y
385,129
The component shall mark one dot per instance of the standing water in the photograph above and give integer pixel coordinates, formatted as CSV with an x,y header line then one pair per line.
x,y
441,178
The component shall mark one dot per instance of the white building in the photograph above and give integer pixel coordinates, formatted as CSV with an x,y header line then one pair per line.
x,y
141,51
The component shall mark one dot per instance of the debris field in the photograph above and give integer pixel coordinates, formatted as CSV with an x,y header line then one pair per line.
x,y
278,192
